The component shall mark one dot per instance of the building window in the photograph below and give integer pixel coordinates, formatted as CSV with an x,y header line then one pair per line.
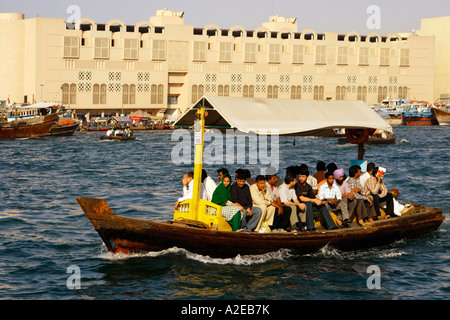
x,y
65,93
128,94
96,96
223,91
274,53
402,92
250,52
197,92
297,54
131,49
362,93
342,55
160,94
159,50
73,94
318,92
199,51
363,56
71,47
404,57
225,52
101,50
384,57
321,55
340,92
272,92
382,93
249,91
296,92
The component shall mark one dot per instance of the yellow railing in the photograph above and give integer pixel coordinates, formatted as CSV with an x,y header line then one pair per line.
x,y
208,213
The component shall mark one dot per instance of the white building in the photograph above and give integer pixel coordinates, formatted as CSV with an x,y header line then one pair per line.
x,y
163,66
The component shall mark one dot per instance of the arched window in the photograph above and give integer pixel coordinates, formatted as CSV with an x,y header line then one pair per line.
x,y
96,96
73,94
65,93
160,94
103,94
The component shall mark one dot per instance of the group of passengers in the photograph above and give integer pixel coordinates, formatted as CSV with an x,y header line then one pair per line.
x,y
266,203
120,132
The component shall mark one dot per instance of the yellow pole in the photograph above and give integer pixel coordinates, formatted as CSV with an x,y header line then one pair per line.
x,y
199,131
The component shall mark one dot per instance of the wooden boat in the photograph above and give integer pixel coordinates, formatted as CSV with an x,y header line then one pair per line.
x,y
442,115
198,225
118,138
27,122
126,235
64,127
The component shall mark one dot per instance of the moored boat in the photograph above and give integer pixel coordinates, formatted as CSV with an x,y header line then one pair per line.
x,y
28,121
64,127
375,138
442,115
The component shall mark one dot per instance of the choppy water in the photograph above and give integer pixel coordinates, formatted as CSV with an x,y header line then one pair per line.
x,y
43,230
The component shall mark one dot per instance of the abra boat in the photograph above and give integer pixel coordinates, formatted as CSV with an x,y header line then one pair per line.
x,y
376,138
28,121
442,115
118,138
198,225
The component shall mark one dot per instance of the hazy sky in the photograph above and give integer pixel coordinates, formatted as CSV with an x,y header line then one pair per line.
x,y
320,15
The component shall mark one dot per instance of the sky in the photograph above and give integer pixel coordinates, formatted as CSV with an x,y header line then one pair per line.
x,y
362,16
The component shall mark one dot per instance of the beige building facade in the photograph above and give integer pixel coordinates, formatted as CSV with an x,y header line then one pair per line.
x,y
163,66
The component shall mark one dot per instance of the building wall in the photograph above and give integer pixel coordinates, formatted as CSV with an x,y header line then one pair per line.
x,y
440,29
163,65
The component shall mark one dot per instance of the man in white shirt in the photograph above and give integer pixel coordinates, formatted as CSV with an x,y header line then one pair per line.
x,y
208,186
366,175
188,189
289,199
330,192
283,213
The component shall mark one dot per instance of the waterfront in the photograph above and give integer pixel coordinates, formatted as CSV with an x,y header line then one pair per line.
x,y
44,230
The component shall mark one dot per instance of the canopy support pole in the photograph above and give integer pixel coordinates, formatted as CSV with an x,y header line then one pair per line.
x,y
361,151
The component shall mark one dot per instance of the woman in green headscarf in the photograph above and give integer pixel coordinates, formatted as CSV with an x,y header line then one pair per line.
x,y
222,196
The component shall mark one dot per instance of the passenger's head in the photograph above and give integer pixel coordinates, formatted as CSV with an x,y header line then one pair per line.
x,y
289,180
260,182
204,175
329,177
320,166
370,167
331,167
221,172
240,179
354,171
226,180
247,173
240,171
272,179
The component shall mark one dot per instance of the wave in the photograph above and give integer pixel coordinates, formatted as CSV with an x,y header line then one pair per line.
x,y
240,260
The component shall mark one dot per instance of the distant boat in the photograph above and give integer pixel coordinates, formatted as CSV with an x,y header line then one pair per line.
x,y
419,114
64,127
28,121
376,138
442,115
118,138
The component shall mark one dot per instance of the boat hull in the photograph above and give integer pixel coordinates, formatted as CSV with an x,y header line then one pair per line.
x,y
117,138
420,121
127,235
28,128
63,130
442,116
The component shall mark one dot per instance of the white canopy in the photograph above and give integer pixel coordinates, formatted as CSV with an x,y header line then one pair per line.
x,y
286,116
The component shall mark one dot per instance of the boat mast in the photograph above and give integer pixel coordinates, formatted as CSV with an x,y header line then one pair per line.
x,y
199,131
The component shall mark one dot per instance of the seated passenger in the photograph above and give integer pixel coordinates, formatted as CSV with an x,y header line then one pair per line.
x,y
364,206
330,192
282,216
289,198
306,195
347,196
208,186
230,211
376,188
262,199
240,194
188,189
220,173
321,170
